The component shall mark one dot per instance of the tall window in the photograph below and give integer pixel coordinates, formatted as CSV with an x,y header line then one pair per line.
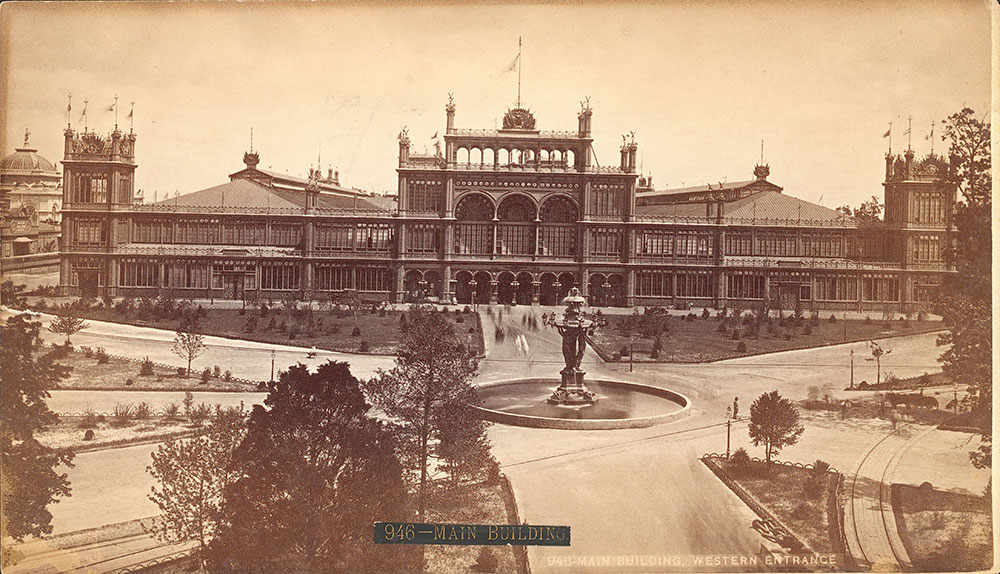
x,y
373,237
243,232
286,234
609,199
745,286
279,277
90,187
606,242
334,237
187,275
424,195
654,283
327,278
139,274
423,238
88,231
695,285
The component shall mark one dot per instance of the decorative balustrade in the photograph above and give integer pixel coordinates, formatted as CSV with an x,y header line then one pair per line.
x,y
497,133
808,263
750,221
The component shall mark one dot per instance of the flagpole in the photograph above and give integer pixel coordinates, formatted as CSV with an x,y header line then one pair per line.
x,y
69,112
85,115
890,138
116,112
932,138
131,118
518,71
909,133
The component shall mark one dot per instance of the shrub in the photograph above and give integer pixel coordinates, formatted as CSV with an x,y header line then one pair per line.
x,y
122,414
467,310
690,317
654,353
147,367
181,371
87,352
171,412
741,347
472,330
129,382
740,458
705,313
89,419
142,411
624,351
788,335
363,347
868,320
863,385
486,560
102,356
771,329
356,332
200,414
251,324
459,319
722,328
808,330
736,334
921,316
227,376
270,324
820,468
89,435
242,311
334,329
616,356
381,312
205,375
282,327
216,371
832,319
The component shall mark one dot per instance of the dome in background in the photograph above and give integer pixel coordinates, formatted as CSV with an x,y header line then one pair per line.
x,y
26,160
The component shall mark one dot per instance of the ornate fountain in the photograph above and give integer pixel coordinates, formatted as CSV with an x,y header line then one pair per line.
x,y
574,328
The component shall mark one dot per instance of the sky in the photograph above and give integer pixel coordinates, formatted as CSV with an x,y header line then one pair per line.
x,y
701,85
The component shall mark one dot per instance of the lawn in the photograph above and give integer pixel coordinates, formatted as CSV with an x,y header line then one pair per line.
x,y
783,491
694,339
70,431
88,373
371,331
943,531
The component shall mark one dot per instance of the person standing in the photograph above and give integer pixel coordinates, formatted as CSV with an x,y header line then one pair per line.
x,y
736,407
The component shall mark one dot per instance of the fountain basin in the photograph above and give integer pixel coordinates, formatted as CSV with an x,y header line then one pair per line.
x,y
620,405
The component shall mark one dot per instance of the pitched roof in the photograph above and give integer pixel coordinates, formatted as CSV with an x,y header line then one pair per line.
x,y
762,208
255,195
697,188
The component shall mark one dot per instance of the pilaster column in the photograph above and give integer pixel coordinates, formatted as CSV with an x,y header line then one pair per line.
x,y
630,288
535,286
400,271
494,286
446,284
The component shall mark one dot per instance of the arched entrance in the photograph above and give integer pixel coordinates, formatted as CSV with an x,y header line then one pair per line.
x,y
617,295
516,231
599,290
413,290
566,282
463,291
483,282
432,285
524,288
505,288
547,291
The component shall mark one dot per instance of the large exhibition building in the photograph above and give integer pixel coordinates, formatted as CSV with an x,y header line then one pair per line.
x,y
510,215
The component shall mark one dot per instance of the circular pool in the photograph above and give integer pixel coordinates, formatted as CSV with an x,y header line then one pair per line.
x,y
523,402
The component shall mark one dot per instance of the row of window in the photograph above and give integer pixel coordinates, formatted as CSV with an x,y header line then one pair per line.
x,y
273,276
654,283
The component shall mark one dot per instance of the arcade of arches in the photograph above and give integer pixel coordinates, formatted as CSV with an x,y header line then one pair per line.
x,y
511,287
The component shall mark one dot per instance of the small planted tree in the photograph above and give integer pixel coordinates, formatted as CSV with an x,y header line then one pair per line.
x,y
188,346
67,323
877,353
774,423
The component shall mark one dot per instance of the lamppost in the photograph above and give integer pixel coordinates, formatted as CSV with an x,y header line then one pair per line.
x,y
729,420
852,368
272,365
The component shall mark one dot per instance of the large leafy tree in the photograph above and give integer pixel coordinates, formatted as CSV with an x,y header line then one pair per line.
x,y
774,423
192,475
312,475
868,213
29,481
965,297
431,380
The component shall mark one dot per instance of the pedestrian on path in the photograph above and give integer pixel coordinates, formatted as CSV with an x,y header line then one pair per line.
x,y
736,407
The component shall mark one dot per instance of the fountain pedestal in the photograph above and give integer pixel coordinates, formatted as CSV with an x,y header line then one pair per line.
x,y
572,391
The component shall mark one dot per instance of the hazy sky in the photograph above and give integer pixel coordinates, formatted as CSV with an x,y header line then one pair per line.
x,y
700,84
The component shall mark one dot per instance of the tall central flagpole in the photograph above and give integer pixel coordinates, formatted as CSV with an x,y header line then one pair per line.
x,y
69,111
519,71
890,138
909,133
116,112
131,118
932,138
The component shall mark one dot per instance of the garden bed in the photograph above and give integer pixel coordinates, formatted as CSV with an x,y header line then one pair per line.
x,y
793,495
372,330
70,432
124,374
698,339
943,531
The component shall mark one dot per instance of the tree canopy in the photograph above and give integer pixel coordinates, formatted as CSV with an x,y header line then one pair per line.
x,y
313,474
774,423
28,478
965,297
429,386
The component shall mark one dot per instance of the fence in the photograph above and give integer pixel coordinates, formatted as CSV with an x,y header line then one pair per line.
x,y
141,566
173,368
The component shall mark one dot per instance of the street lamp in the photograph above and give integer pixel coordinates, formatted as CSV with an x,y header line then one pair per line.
x,y
272,365
852,368
729,421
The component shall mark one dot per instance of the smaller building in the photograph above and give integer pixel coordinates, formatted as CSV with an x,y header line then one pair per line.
x,y
31,209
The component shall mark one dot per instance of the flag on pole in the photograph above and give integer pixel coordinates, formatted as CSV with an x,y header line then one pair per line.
x,y
69,106
130,112
110,108
435,136
887,133
84,113
513,65
907,132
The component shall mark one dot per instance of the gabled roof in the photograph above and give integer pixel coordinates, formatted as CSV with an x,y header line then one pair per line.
x,y
696,188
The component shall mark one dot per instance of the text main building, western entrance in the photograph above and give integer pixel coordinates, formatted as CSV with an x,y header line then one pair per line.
x,y
512,215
